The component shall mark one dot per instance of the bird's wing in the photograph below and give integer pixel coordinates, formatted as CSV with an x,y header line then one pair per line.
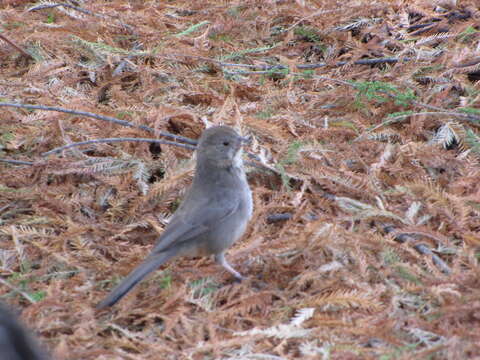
x,y
189,222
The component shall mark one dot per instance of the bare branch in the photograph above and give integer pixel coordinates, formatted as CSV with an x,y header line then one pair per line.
x,y
73,7
16,162
17,290
385,60
119,69
100,117
114,140
81,10
421,248
15,46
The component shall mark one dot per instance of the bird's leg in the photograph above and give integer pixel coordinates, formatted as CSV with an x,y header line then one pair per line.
x,y
220,259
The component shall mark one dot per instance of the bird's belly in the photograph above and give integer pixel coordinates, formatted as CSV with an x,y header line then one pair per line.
x,y
221,236
233,228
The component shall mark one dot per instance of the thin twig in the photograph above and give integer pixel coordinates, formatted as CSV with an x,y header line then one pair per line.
x,y
317,77
399,118
386,60
421,248
15,46
166,142
114,140
273,218
470,117
73,7
474,120
402,238
17,290
118,70
320,77
243,72
271,68
79,9
248,66
316,13
123,123
16,162
100,117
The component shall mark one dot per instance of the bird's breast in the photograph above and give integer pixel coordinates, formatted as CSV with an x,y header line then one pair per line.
x,y
225,233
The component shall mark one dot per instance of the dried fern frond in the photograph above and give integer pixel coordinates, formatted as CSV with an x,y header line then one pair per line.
x,y
434,38
109,167
284,331
450,133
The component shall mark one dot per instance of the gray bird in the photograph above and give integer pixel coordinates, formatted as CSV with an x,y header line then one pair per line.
x,y
16,343
212,216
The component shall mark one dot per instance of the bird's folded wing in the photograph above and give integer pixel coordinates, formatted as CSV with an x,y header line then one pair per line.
x,y
192,222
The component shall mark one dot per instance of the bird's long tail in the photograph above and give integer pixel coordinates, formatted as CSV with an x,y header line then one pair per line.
x,y
149,264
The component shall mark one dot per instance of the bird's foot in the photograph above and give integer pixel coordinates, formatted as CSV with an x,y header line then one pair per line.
x,y
220,259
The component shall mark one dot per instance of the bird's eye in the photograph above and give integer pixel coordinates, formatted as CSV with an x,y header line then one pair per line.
x,y
226,143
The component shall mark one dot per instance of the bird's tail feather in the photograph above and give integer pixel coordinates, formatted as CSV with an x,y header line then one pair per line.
x,y
149,264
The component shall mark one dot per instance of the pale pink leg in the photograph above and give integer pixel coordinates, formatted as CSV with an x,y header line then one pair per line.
x,y
220,259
